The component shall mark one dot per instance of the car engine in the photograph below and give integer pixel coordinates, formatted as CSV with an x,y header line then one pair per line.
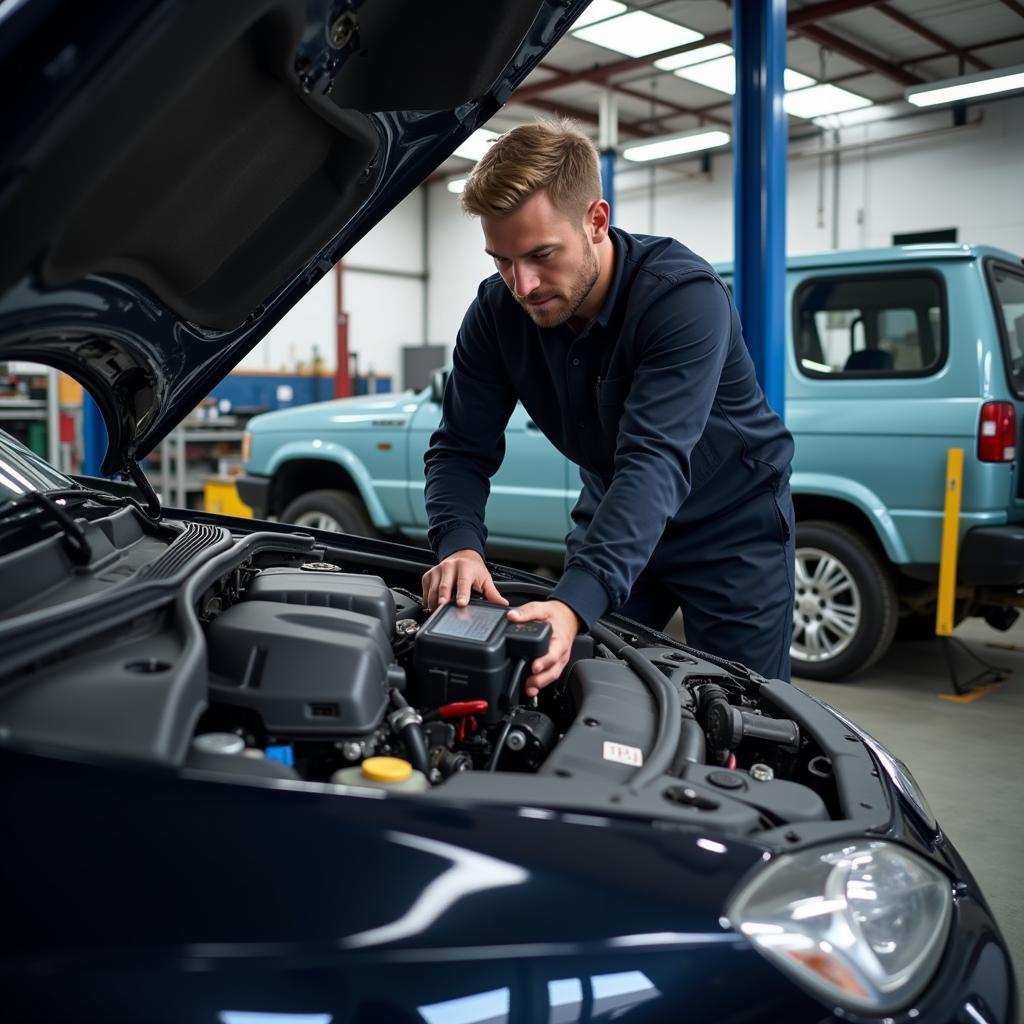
x,y
325,675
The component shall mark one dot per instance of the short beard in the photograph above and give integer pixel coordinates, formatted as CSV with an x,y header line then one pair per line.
x,y
580,290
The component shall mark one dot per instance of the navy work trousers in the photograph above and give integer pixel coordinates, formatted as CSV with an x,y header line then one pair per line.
x,y
732,576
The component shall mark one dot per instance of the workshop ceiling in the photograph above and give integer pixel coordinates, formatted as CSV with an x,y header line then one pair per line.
x,y
874,50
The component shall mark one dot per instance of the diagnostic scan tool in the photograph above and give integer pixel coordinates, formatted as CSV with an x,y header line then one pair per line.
x,y
471,653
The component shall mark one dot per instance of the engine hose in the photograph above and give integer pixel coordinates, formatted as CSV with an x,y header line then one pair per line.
x,y
517,677
666,698
732,667
692,748
406,722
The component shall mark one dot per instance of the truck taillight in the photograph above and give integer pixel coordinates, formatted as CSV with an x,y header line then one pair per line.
x,y
246,446
997,434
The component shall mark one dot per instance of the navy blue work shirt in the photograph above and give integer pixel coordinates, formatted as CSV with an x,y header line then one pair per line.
x,y
655,399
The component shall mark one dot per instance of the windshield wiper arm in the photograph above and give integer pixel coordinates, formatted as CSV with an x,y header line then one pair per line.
x,y
75,539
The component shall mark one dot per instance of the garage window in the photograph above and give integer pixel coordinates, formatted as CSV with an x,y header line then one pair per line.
x,y
890,325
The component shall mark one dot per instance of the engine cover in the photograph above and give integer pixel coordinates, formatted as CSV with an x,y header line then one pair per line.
x,y
307,671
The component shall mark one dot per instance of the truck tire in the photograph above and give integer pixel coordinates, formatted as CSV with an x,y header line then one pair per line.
x,y
336,511
845,608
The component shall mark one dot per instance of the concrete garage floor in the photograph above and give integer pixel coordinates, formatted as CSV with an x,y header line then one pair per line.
x,y
962,755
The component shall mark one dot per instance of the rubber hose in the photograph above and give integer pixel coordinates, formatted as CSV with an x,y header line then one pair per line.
x,y
666,698
692,748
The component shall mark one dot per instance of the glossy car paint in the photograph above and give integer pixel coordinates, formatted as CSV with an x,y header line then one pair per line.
x,y
181,895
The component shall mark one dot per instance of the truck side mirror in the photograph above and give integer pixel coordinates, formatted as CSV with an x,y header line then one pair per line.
x,y
438,379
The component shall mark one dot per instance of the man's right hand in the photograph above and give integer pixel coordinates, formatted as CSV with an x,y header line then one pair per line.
x,y
457,577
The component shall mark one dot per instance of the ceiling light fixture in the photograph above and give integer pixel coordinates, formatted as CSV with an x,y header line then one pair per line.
x,y
819,100
967,87
598,10
676,145
476,145
720,74
457,185
637,34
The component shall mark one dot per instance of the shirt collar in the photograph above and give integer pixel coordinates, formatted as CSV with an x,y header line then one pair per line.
x,y
610,300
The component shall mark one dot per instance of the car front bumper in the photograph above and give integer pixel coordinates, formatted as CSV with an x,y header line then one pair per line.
x,y
255,492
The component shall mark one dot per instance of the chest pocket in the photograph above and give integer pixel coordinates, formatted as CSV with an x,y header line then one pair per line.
x,y
611,399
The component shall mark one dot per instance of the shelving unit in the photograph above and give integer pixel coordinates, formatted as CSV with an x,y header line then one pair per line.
x,y
194,451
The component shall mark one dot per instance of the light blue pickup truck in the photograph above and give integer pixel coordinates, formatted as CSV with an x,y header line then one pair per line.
x,y
893,357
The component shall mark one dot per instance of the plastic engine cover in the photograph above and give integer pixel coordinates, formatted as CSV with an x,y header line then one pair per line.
x,y
368,595
307,671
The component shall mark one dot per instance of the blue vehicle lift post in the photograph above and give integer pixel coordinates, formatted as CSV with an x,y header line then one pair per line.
x,y
759,188
94,437
608,141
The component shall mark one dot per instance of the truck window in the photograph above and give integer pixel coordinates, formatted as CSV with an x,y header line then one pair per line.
x,y
1008,293
876,325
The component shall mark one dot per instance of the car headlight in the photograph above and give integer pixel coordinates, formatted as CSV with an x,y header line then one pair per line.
x,y
862,926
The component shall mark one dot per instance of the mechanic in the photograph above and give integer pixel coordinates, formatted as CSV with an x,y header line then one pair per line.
x,y
627,352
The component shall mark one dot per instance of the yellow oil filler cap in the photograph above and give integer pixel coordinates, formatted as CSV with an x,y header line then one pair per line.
x,y
386,769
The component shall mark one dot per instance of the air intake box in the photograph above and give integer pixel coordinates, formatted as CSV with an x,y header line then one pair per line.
x,y
352,592
307,671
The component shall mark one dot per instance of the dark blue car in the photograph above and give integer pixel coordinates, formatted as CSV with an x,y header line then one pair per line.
x,y
245,778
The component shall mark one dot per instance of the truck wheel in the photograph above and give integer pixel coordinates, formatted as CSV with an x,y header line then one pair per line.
x,y
845,610
336,511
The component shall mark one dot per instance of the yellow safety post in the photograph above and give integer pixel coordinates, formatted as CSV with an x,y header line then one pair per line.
x,y
977,685
950,542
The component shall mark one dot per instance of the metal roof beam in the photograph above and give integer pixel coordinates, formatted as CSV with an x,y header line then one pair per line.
x,y
1014,6
585,116
602,72
983,45
933,37
857,53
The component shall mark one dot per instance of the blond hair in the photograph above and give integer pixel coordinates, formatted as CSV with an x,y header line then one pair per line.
x,y
554,156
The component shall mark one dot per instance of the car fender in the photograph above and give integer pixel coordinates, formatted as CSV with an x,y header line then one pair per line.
x,y
826,485
339,455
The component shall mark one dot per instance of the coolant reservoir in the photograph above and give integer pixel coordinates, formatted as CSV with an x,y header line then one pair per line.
x,y
382,773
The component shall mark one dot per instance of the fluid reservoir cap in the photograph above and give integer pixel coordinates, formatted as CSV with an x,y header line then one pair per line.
x,y
219,743
386,769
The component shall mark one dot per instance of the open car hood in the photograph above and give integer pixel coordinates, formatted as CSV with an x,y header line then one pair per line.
x,y
175,176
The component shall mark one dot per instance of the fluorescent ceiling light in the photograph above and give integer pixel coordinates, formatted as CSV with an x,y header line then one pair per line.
x,y
476,145
676,145
721,75
598,11
698,56
819,100
968,87
456,186
637,34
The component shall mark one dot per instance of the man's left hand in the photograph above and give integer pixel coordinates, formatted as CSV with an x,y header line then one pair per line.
x,y
565,624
